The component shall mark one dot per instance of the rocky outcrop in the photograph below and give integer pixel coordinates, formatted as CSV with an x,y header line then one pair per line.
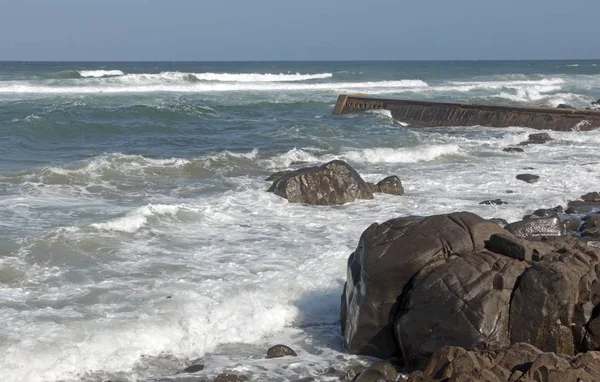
x,y
388,256
415,285
537,227
391,185
518,362
332,183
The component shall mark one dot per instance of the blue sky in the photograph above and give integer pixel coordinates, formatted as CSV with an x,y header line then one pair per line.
x,y
301,30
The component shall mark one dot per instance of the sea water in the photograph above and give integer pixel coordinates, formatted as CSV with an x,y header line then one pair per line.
x,y
137,236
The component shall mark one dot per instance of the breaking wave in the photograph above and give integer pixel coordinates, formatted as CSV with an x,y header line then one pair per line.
x,y
100,73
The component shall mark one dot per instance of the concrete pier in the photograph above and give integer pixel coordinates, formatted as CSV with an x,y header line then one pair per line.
x,y
429,113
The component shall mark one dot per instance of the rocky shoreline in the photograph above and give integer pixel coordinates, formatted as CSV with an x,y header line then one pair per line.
x,y
456,297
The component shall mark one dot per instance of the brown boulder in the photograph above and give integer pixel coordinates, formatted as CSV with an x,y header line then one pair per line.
x,y
332,183
388,256
540,227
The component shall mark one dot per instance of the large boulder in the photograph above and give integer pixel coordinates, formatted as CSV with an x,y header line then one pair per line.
x,y
417,284
518,362
332,183
388,256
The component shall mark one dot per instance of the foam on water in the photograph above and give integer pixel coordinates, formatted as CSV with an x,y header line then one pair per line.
x,y
100,73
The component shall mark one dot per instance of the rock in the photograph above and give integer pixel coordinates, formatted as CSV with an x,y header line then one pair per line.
x,y
379,371
513,150
462,300
501,222
540,227
391,185
596,102
332,183
529,178
193,368
230,377
373,187
580,207
517,248
278,351
353,372
519,362
590,227
591,197
388,256
277,175
537,138
571,224
494,202
565,106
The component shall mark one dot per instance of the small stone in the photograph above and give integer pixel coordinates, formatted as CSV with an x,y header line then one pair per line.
x,y
513,150
194,368
496,202
278,351
540,137
529,178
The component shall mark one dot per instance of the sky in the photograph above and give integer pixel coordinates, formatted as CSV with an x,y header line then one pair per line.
x,y
240,30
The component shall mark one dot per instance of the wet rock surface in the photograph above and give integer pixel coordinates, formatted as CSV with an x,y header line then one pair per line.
x,y
333,183
537,138
278,351
529,178
418,284
496,202
513,150
391,185
518,362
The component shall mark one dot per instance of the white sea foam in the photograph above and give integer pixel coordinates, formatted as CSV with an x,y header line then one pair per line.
x,y
402,155
260,77
100,73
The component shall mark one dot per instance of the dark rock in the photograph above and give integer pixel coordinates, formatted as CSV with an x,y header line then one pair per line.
x,y
494,202
230,377
529,178
193,368
277,175
540,137
388,256
596,102
590,227
379,371
517,248
353,372
571,224
579,207
513,150
453,301
565,106
280,351
519,362
332,183
509,191
537,138
540,227
391,185
373,187
591,197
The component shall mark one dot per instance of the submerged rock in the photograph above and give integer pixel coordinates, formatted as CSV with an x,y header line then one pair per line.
x,y
230,377
513,150
496,202
194,368
278,351
332,183
529,178
538,138
391,185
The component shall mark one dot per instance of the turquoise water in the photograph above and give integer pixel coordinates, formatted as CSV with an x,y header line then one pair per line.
x,y
124,183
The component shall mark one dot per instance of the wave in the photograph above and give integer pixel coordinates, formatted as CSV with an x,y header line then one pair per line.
x,y
259,77
100,73
140,85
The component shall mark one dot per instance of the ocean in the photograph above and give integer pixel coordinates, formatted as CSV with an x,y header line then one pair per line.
x,y
137,236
